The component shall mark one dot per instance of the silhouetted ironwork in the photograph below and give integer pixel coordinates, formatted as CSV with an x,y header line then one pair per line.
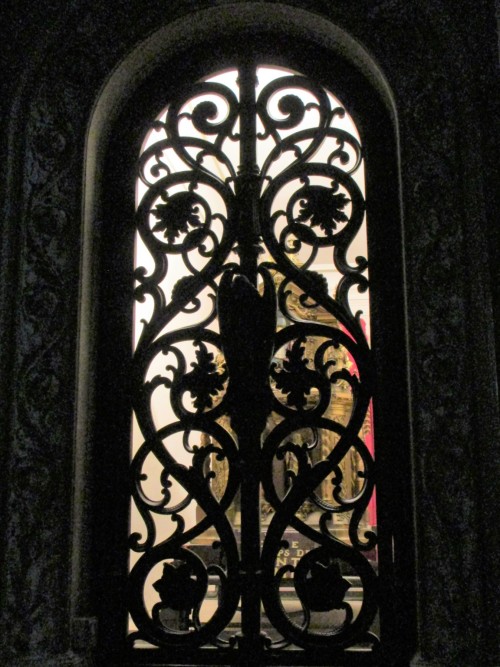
x,y
239,230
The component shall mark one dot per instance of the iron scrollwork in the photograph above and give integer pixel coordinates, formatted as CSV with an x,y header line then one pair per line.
x,y
244,187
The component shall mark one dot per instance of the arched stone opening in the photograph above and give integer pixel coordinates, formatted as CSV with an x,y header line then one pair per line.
x,y
183,36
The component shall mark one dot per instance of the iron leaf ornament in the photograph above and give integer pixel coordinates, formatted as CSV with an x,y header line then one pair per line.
x,y
204,382
247,322
295,379
179,587
319,582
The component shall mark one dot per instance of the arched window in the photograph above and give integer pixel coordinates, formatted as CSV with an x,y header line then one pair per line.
x,y
254,399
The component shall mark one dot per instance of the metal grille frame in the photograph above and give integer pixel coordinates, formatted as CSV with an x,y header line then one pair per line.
x,y
251,237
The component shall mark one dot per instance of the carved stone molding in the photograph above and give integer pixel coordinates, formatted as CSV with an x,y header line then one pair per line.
x,y
65,660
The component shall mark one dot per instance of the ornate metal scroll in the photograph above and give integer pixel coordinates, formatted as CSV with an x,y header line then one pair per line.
x,y
244,188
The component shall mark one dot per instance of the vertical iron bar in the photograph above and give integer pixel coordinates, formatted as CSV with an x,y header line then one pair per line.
x,y
247,186
250,429
247,80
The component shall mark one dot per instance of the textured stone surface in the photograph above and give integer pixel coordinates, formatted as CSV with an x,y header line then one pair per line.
x,y
431,54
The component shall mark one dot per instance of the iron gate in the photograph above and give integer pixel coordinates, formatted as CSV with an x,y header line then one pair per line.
x,y
252,475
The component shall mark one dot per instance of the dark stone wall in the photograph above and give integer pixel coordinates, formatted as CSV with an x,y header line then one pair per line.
x,y
439,58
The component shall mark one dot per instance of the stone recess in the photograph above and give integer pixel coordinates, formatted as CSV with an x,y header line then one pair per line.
x,y
436,57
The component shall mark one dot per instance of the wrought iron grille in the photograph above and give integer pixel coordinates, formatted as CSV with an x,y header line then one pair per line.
x,y
252,465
